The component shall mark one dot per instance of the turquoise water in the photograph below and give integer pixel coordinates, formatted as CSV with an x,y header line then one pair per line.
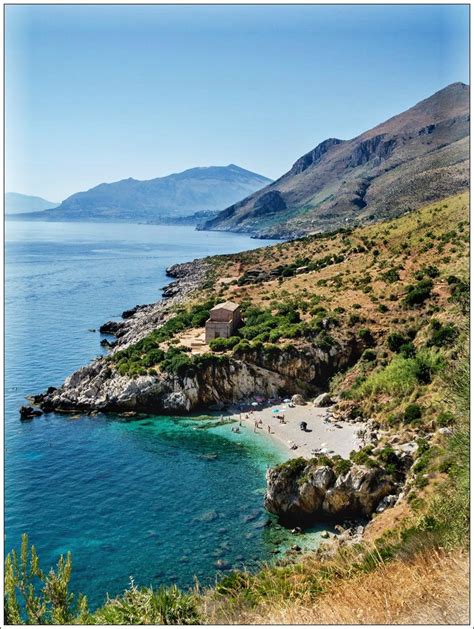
x,y
158,499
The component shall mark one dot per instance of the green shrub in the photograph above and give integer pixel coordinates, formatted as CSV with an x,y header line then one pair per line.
x,y
35,597
391,276
366,335
395,340
412,413
353,319
442,335
223,345
407,350
369,355
144,606
340,465
417,294
444,419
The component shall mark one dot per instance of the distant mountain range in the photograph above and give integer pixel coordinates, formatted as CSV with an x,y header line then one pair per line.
x,y
412,159
171,198
16,203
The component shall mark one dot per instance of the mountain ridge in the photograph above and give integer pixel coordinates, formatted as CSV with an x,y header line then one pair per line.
x,y
199,189
18,203
412,158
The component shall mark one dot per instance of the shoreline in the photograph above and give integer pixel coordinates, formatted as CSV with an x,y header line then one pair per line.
x,y
323,433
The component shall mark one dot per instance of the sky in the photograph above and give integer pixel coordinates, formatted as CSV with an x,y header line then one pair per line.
x,y
101,93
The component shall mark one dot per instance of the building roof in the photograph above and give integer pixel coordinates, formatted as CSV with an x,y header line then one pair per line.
x,y
226,305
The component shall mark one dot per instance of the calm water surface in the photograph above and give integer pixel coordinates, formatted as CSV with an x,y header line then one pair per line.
x,y
140,498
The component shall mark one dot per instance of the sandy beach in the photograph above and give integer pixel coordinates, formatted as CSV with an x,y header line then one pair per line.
x,y
323,432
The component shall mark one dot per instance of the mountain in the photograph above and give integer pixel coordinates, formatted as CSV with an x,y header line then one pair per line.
x,y
178,195
16,203
416,157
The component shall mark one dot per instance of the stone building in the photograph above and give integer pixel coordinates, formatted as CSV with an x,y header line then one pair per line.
x,y
224,321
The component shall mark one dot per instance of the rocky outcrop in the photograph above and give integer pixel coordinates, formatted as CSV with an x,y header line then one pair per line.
x,y
28,412
218,380
303,492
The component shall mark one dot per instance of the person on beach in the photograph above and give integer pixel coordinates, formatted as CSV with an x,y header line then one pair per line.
x,y
269,429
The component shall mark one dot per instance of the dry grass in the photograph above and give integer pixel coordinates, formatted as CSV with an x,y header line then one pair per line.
x,y
430,588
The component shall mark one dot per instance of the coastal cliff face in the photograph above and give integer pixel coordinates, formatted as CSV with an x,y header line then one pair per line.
x,y
99,387
310,492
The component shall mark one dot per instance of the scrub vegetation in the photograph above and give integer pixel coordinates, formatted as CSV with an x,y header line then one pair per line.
x,y
401,289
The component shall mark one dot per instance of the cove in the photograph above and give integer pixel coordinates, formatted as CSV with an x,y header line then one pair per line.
x,y
146,499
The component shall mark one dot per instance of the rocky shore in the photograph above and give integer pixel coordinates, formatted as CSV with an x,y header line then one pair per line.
x,y
305,491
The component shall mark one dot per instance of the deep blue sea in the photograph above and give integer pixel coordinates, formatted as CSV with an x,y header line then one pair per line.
x,y
137,499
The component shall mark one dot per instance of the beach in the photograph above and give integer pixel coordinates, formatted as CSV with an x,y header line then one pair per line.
x,y
323,432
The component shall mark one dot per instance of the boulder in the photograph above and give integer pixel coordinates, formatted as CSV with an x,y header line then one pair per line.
x,y
298,400
385,503
28,412
445,431
128,314
112,327
323,400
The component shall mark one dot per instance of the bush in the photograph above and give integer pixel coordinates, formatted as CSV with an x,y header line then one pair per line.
x,y
391,276
222,345
369,355
340,465
412,413
400,376
35,597
395,340
366,335
177,362
442,335
445,419
417,294
407,350
144,606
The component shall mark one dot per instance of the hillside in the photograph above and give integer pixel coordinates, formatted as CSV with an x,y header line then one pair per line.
x,y
398,293
414,158
175,196
16,203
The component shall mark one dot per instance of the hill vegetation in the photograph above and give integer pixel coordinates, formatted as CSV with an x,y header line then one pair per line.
x,y
401,288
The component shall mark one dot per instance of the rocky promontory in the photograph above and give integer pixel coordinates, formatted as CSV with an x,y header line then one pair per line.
x,y
302,492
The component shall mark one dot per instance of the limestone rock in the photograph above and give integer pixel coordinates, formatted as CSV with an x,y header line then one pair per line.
x,y
304,494
323,400
298,400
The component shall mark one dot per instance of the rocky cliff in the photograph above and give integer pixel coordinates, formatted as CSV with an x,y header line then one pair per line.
x,y
414,158
219,380
302,492
216,380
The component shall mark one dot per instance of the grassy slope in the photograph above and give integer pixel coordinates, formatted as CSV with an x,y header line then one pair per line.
x,y
415,553
400,543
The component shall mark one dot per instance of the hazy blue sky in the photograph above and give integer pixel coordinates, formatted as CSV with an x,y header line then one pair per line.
x,y
100,93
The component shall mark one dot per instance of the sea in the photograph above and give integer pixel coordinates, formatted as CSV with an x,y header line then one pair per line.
x,y
159,500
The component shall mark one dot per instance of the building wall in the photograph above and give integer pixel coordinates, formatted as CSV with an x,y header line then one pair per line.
x,y
218,329
221,314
